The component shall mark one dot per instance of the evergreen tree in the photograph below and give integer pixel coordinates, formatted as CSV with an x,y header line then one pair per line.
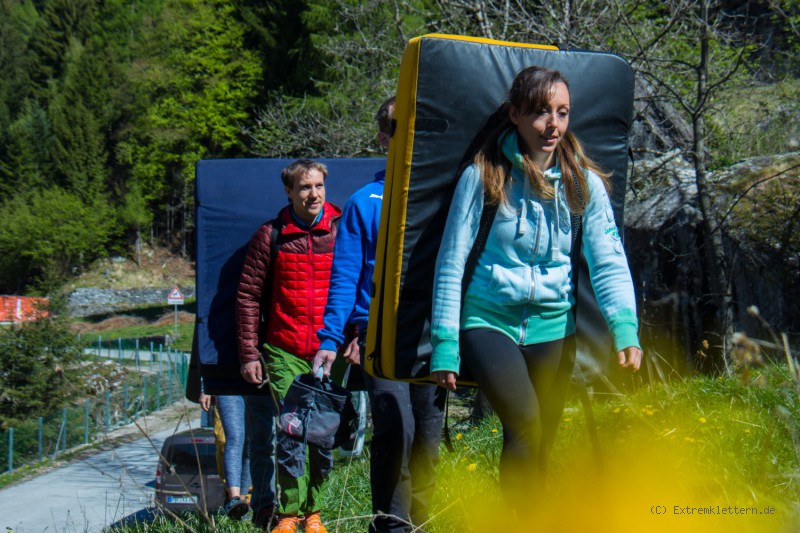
x,y
28,163
276,31
195,85
17,20
37,359
61,21
78,107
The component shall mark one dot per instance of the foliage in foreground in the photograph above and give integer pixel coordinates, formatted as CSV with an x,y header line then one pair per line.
x,y
37,367
667,452
699,442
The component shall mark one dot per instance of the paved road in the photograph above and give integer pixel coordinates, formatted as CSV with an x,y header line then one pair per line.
x,y
87,495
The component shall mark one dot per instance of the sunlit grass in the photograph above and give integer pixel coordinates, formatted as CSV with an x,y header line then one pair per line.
x,y
181,342
146,321
696,443
669,453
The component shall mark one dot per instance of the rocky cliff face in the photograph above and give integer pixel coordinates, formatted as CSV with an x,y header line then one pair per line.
x,y
665,248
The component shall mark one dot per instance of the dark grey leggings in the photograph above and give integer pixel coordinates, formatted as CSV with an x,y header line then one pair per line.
x,y
527,387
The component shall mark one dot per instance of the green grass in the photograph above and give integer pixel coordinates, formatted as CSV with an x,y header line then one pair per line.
x,y
756,120
698,442
7,478
151,327
109,338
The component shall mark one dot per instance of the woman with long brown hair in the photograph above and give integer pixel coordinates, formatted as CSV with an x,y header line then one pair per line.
x,y
513,328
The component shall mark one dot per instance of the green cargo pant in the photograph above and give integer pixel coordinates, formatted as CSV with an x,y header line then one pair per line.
x,y
302,468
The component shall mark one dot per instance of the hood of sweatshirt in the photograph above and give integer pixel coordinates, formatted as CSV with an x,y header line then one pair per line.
x,y
509,144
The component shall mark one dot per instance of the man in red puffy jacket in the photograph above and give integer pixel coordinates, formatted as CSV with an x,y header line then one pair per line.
x,y
279,306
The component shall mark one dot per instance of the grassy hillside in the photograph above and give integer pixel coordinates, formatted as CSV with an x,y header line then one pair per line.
x,y
159,269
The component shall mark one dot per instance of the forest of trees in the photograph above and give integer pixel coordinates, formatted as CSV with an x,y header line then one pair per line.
x,y
106,105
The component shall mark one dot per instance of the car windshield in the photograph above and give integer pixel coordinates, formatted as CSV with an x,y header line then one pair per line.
x,y
184,460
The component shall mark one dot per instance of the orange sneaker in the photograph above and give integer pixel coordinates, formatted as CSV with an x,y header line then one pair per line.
x,y
313,524
287,524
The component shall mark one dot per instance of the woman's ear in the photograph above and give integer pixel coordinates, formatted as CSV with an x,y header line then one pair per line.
x,y
513,114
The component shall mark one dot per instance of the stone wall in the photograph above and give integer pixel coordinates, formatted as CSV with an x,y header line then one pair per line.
x,y
91,301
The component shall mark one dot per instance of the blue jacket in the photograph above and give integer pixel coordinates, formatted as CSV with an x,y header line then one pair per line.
x,y
522,284
353,264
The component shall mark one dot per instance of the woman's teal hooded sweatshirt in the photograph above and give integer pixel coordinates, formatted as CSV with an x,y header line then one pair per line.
x,y
522,284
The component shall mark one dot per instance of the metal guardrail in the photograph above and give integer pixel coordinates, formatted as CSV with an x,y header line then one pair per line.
x,y
160,381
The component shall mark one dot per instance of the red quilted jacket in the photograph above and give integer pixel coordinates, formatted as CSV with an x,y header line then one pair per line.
x,y
293,301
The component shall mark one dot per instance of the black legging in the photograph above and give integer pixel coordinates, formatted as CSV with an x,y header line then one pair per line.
x,y
527,387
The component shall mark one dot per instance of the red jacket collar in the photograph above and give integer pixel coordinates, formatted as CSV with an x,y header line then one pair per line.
x,y
329,214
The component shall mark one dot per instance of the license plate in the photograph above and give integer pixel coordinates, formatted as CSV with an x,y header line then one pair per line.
x,y
181,499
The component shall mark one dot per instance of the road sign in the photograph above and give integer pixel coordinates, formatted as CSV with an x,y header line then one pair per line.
x,y
175,297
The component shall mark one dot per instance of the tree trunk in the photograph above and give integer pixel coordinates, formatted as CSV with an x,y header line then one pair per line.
x,y
714,248
139,247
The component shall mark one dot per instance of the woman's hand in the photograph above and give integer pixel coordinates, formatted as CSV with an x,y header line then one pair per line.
x,y
630,357
445,379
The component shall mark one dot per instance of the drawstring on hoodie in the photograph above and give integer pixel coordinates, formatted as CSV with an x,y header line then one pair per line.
x,y
510,147
526,195
555,178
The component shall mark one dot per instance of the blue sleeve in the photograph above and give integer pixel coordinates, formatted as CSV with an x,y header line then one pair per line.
x,y
348,258
459,234
608,267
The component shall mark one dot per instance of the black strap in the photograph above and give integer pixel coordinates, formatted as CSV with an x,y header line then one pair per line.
x,y
448,442
274,242
577,241
487,218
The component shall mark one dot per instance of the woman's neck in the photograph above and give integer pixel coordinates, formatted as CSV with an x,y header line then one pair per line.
x,y
543,161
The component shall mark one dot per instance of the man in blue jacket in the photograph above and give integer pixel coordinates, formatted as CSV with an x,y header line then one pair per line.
x,y
407,418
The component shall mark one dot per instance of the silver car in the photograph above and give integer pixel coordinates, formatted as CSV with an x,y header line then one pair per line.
x,y
187,478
